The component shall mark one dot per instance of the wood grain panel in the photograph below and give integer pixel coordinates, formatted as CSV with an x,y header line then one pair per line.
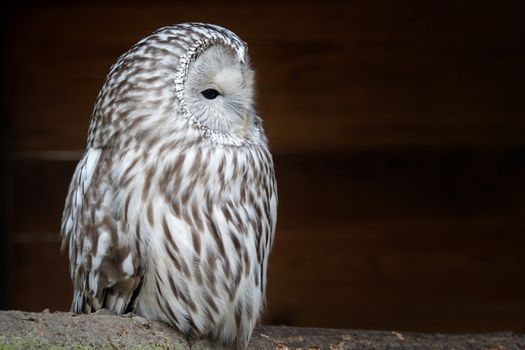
x,y
408,239
419,276
39,277
38,192
407,184
398,133
331,75
316,188
453,277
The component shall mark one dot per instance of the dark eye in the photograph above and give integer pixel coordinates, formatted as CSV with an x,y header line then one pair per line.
x,y
210,94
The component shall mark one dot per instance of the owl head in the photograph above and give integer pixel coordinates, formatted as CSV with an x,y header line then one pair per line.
x,y
192,73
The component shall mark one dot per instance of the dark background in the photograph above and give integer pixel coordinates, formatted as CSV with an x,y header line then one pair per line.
x,y
398,133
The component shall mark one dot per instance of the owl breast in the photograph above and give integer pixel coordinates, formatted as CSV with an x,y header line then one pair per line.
x,y
204,223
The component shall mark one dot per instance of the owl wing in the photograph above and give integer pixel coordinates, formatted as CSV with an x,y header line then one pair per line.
x,y
105,270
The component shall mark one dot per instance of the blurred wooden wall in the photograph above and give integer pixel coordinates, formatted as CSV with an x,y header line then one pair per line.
x,y
398,132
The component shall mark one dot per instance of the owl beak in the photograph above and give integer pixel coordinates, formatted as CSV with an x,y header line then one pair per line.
x,y
243,127
244,120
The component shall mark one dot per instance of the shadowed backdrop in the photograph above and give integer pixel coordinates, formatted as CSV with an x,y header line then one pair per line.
x,y
398,135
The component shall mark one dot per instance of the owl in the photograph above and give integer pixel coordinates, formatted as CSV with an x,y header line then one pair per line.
x,y
171,212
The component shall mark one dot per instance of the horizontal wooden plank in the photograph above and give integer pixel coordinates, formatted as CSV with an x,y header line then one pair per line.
x,y
401,184
331,75
456,280
39,277
396,184
411,239
316,188
37,192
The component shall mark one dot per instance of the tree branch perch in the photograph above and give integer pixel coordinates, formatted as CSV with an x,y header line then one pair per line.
x,y
59,330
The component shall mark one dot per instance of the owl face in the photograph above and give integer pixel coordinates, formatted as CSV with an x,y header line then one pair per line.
x,y
191,76
219,91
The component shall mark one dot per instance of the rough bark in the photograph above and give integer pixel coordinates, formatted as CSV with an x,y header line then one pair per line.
x,y
58,330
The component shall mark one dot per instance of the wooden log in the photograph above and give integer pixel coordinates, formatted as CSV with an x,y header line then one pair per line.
x,y
23,330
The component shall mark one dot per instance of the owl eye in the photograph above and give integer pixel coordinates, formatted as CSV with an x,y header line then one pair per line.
x,y
210,94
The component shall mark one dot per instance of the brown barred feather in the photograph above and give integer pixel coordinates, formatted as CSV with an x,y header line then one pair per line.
x,y
171,212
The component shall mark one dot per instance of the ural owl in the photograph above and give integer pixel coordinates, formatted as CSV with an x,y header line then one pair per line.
x,y
171,211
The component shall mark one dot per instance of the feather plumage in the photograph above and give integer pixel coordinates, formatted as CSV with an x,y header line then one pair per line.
x,y
171,212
